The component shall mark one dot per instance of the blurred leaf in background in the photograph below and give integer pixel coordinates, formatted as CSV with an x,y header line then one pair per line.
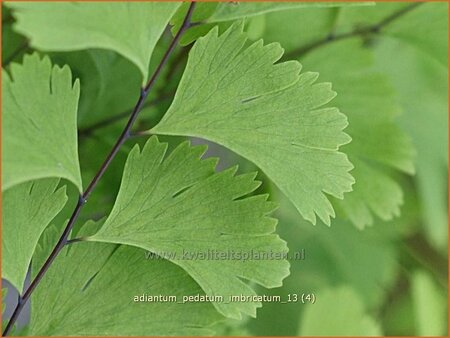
x,y
429,305
392,84
340,311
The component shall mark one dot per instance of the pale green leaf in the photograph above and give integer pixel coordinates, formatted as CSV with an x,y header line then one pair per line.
x,y
270,114
377,194
362,90
378,144
333,253
91,287
369,100
13,331
4,294
179,205
132,29
429,305
256,27
337,312
39,123
422,85
27,210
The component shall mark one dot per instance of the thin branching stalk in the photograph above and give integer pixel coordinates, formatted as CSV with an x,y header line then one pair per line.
x,y
89,130
373,29
125,135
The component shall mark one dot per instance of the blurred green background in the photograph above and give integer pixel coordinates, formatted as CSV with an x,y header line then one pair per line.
x,y
381,270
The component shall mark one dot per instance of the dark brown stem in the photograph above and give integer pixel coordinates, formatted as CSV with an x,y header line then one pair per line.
x,y
373,29
75,240
83,198
8,19
178,61
21,48
426,255
397,291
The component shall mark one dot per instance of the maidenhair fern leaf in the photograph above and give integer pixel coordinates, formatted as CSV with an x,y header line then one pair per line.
x,y
420,25
346,318
179,208
39,123
419,72
430,305
379,145
266,112
27,210
91,287
129,28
